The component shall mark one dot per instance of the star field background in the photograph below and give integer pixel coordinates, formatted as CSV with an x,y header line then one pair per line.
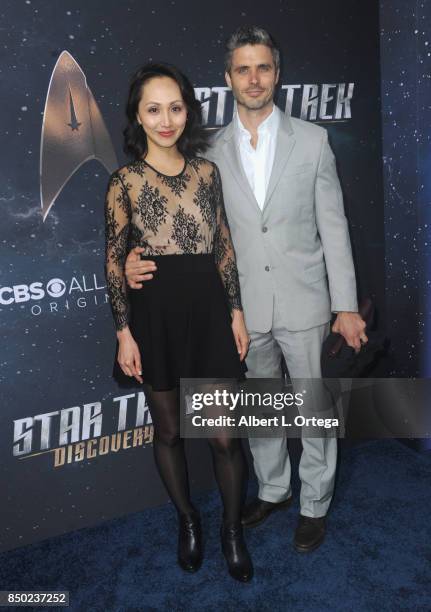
x,y
406,102
63,358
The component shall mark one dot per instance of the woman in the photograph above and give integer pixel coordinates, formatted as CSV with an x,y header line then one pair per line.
x,y
188,322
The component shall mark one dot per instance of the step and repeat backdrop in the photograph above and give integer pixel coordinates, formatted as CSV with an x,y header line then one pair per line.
x,y
75,449
406,112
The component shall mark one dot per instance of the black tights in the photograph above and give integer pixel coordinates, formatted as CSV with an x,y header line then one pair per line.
x,y
227,454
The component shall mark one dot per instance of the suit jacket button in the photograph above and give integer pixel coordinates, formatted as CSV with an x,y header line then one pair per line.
x,y
264,229
267,268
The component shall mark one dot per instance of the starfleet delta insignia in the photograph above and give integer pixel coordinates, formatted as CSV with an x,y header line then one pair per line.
x,y
73,131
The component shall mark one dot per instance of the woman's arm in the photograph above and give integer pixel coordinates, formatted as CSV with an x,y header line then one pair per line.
x,y
226,262
118,214
223,248
117,226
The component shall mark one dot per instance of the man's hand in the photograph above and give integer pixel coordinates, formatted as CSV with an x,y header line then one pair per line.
x,y
138,270
352,327
242,339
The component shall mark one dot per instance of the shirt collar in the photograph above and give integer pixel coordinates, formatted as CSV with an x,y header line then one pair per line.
x,y
269,124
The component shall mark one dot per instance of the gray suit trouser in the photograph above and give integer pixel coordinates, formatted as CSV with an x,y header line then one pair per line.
x,y
301,351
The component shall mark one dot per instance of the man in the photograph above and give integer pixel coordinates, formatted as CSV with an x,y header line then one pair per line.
x,y
285,210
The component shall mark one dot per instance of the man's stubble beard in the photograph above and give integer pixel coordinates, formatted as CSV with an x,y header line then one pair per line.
x,y
258,105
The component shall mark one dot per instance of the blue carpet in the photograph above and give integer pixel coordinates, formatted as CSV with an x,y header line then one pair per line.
x,y
376,557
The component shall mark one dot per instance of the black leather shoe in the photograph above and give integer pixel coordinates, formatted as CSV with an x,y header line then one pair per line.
x,y
309,533
190,551
235,551
257,511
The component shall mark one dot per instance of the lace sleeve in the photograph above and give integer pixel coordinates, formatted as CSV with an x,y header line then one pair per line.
x,y
223,248
117,224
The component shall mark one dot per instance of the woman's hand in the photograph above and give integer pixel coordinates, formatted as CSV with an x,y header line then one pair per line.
x,y
129,357
242,339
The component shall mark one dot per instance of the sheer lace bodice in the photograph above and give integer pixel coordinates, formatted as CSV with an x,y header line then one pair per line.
x,y
167,215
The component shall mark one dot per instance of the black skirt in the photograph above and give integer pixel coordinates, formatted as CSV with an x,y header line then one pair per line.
x,y
181,322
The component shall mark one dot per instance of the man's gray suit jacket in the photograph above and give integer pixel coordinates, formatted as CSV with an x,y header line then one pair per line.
x,y
297,249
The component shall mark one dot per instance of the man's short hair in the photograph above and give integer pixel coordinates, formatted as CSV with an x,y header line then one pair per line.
x,y
250,35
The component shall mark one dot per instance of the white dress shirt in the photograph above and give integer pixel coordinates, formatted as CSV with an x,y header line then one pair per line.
x,y
257,163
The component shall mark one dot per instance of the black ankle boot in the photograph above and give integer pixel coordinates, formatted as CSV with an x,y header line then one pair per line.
x,y
190,542
235,551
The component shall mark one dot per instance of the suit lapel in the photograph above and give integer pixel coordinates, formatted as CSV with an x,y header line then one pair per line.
x,y
283,149
231,152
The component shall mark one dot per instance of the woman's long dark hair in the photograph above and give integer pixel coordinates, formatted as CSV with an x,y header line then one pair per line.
x,y
192,141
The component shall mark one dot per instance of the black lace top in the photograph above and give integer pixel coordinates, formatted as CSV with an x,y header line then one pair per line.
x,y
167,215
